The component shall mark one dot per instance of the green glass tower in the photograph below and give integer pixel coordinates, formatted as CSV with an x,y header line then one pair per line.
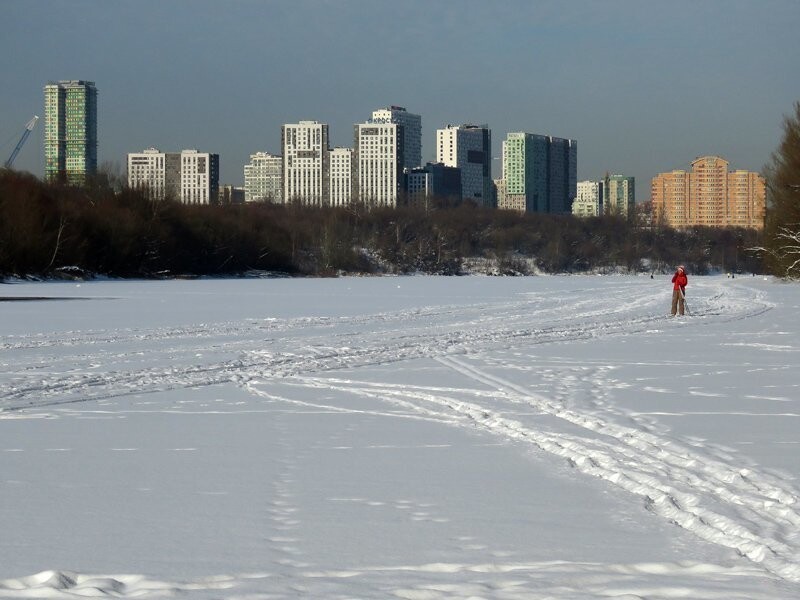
x,y
70,131
540,172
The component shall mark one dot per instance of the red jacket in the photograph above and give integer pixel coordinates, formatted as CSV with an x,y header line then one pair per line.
x,y
680,280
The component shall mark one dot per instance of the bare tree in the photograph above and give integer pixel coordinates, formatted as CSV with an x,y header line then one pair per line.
x,y
782,231
784,252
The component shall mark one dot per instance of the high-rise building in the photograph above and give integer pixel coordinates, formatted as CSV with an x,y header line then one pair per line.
x,y
230,194
747,192
377,163
525,172
500,193
669,195
199,177
157,172
589,199
469,148
70,131
189,176
262,177
709,195
305,150
433,181
619,195
540,173
562,160
412,132
341,174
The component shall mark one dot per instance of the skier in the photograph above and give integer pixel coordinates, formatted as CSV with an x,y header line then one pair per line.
x,y
679,281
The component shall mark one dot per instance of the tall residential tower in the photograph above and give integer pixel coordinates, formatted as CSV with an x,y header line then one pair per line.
x,y
262,177
378,163
199,177
341,176
540,173
468,147
70,131
306,154
412,132
619,195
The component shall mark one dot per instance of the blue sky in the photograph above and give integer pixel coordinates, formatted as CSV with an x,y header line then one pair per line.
x,y
643,86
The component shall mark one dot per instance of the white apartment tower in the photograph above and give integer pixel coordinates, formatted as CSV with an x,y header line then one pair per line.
x,y
341,176
305,152
469,148
189,176
377,163
412,132
589,199
157,172
199,177
262,177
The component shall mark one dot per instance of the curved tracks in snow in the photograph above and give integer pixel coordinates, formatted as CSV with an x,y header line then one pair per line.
x,y
77,366
754,513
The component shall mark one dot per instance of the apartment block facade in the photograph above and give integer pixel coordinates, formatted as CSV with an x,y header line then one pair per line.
x,y
589,199
747,199
562,174
70,131
378,163
500,193
468,148
540,173
412,132
434,180
709,195
305,149
262,178
619,195
230,194
189,176
157,172
341,176
199,177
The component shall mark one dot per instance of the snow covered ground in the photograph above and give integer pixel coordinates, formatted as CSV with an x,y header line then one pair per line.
x,y
416,437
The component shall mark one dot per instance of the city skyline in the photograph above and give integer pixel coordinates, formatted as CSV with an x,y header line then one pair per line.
x,y
643,87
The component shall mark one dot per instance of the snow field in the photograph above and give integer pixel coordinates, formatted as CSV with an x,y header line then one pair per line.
x,y
400,437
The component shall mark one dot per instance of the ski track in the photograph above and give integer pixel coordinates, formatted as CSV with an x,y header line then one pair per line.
x,y
716,501
358,341
704,492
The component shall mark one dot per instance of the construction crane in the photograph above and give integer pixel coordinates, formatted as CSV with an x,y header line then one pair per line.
x,y
28,128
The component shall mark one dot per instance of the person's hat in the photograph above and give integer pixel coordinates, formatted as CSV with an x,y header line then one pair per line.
x,y
680,267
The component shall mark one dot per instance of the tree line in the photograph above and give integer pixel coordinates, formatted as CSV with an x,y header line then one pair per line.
x,y
50,229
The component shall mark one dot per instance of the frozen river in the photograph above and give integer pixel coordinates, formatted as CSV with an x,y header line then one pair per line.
x,y
415,437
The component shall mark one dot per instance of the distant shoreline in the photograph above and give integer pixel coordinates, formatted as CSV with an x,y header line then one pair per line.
x,y
40,298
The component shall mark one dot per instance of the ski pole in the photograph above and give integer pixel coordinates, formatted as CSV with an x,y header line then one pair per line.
x,y
685,304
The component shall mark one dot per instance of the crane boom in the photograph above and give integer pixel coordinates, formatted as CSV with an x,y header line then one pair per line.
x,y
28,128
